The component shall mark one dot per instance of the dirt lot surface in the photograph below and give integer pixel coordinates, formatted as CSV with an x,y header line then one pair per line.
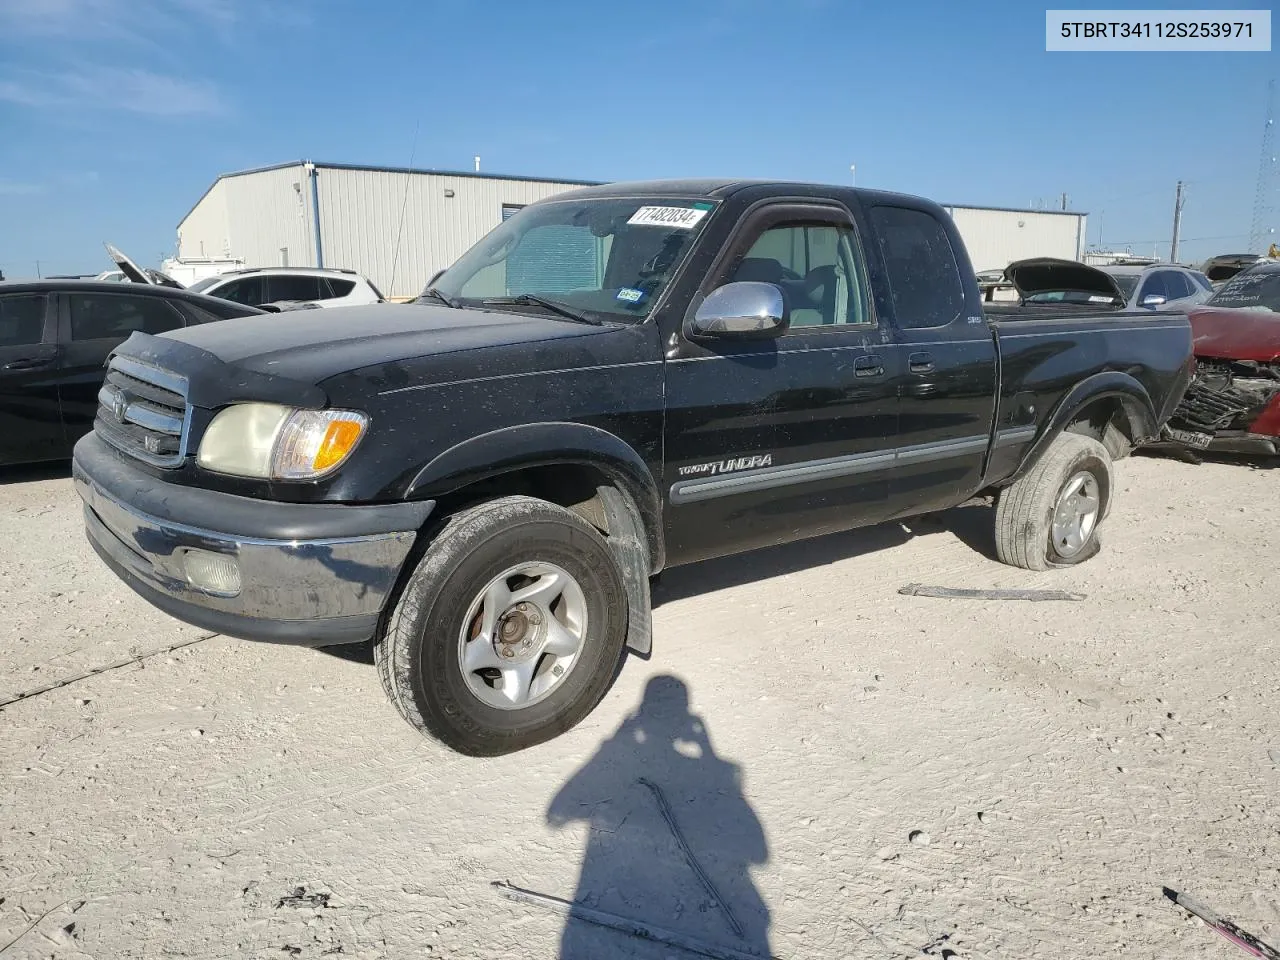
x,y
859,773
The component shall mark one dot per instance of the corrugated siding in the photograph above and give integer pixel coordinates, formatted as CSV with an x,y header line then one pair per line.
x,y
995,238
267,213
205,232
360,213
252,217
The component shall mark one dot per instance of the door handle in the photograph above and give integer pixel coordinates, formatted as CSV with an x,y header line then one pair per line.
x,y
27,363
868,366
920,363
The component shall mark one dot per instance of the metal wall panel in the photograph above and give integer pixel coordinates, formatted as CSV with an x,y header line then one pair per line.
x,y
361,214
270,211
205,231
255,217
995,238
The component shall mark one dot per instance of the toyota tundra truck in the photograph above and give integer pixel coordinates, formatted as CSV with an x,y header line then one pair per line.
x,y
615,381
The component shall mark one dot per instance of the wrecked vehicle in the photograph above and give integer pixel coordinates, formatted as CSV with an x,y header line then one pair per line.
x,y
1233,402
616,380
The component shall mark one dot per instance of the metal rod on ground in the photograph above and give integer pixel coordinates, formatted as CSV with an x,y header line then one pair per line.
x,y
676,832
94,671
1224,928
957,593
635,928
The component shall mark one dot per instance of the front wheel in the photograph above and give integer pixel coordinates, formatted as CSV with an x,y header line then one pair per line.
x,y
509,631
1049,517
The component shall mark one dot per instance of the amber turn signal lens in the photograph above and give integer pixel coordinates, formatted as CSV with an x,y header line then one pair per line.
x,y
338,440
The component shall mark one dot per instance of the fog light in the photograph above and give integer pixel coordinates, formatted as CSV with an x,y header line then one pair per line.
x,y
212,572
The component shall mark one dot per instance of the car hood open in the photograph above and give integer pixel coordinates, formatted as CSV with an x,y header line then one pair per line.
x,y
1050,275
137,274
1234,333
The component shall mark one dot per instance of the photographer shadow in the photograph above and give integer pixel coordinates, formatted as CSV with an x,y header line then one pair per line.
x,y
671,837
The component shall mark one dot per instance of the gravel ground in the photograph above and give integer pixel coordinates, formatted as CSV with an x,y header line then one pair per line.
x,y
858,773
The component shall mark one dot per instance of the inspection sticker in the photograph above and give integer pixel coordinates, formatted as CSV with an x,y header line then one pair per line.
x,y
630,295
686,218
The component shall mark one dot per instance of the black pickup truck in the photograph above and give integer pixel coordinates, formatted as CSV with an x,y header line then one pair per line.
x,y
615,381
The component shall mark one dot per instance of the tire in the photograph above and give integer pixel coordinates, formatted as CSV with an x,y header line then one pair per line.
x,y
525,547
1026,509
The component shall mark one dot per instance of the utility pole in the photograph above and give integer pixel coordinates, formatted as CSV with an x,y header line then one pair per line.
x,y
853,174
1064,201
1177,224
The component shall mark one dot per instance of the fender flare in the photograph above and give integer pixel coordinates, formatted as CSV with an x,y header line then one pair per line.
x,y
510,449
1135,402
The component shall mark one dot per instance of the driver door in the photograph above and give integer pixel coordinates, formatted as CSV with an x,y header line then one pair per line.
x,y
774,440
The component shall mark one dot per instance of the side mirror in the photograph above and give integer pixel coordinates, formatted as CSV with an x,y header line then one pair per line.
x,y
1153,300
746,310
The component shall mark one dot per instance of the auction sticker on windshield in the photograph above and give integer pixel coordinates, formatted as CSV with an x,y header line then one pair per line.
x,y
686,218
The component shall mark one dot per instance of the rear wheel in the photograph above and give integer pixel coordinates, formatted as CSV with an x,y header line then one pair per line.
x,y
510,629
1050,516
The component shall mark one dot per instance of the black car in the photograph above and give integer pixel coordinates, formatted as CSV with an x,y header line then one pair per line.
x,y
55,336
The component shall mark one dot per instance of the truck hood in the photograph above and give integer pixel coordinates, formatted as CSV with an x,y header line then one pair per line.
x,y
312,345
1234,333
1050,275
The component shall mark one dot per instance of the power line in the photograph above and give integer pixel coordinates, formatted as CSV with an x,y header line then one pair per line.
x,y
1232,236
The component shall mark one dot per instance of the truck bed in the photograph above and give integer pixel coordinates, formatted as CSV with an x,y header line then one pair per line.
x,y
1042,348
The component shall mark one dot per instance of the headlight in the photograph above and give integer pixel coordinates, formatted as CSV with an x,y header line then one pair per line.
x,y
279,443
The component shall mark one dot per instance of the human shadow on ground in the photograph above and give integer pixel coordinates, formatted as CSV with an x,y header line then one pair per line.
x,y
642,867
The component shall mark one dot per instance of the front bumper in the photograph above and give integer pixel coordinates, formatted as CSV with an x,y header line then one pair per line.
x,y
310,574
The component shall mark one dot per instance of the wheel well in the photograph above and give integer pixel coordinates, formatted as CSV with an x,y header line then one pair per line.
x,y
573,486
1108,422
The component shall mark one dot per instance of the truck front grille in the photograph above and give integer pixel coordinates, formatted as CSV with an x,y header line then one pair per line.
x,y
142,411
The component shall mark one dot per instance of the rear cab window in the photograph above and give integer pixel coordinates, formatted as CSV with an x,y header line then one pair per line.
x,y
924,277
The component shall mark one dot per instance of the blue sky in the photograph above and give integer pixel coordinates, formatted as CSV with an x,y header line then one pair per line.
x,y
115,115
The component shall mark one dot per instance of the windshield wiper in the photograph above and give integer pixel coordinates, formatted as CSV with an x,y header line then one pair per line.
x,y
533,299
443,298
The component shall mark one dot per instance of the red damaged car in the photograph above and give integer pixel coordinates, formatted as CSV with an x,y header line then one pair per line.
x,y
1233,404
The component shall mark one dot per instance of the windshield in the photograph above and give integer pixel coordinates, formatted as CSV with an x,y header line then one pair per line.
x,y
200,286
1126,282
607,257
1256,289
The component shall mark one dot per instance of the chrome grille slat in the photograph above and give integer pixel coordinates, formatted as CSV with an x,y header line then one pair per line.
x,y
159,396
143,412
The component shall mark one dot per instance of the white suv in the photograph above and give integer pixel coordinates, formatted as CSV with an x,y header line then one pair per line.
x,y
323,287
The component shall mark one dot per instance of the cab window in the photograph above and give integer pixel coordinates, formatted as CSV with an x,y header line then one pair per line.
x,y
822,278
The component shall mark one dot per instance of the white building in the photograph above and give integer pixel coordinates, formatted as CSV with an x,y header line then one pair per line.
x,y
395,226
399,226
997,236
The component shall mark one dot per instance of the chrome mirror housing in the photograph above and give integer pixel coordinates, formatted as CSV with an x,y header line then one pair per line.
x,y
746,309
